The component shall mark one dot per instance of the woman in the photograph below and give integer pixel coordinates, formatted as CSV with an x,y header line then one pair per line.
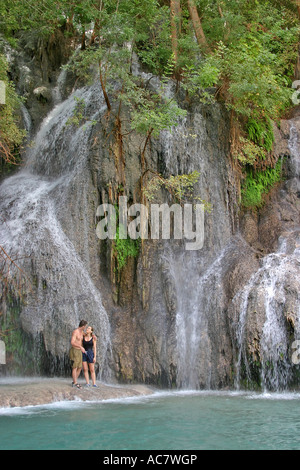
x,y
89,357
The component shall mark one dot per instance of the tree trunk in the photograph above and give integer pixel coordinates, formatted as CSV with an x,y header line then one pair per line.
x,y
297,66
83,41
201,39
175,26
102,82
298,7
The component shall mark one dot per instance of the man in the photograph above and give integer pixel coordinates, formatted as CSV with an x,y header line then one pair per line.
x,y
76,352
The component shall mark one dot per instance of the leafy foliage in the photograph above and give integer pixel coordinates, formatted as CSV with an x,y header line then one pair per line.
x,y
249,61
11,136
259,183
182,188
254,48
249,153
156,115
261,133
125,248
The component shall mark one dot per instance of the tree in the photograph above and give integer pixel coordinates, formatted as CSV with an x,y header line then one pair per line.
x,y
175,11
297,67
121,27
197,26
248,52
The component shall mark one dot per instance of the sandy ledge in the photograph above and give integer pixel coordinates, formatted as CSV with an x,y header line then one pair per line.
x,y
40,391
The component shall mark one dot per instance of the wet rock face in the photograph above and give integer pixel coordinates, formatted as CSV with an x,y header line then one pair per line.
x,y
167,291
265,315
172,317
265,312
50,209
35,68
179,319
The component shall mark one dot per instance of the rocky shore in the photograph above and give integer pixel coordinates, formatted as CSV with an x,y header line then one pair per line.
x,y
40,391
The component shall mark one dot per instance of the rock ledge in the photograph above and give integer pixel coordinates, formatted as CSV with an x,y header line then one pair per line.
x,y
41,391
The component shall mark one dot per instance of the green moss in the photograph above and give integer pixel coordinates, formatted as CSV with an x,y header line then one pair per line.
x,y
261,133
125,248
257,184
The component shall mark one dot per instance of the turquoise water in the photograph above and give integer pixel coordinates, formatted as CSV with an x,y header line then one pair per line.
x,y
164,421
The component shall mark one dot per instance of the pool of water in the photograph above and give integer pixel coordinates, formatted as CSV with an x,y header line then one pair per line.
x,y
163,421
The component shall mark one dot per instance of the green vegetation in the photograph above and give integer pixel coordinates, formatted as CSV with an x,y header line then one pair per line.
x,y
240,52
125,248
11,136
258,183
182,188
78,113
261,133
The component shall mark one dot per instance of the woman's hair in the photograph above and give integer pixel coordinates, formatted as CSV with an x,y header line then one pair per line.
x,y
91,329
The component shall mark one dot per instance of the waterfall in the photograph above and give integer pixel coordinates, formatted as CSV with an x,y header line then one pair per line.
x,y
200,323
194,348
208,317
191,328
44,208
268,307
266,292
202,338
59,87
262,318
26,119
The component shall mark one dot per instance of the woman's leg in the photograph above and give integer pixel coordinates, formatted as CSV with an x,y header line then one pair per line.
x,y
92,371
86,372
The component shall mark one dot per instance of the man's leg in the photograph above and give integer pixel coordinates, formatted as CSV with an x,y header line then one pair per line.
x,y
78,373
74,375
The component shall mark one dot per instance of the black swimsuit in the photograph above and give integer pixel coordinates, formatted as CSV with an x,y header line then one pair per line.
x,y
89,347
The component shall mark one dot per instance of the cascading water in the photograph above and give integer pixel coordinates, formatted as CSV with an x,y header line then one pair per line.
x,y
202,334
48,211
266,292
200,324
194,345
268,308
37,205
266,319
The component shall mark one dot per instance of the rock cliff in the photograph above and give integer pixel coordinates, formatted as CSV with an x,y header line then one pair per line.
x,y
170,317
